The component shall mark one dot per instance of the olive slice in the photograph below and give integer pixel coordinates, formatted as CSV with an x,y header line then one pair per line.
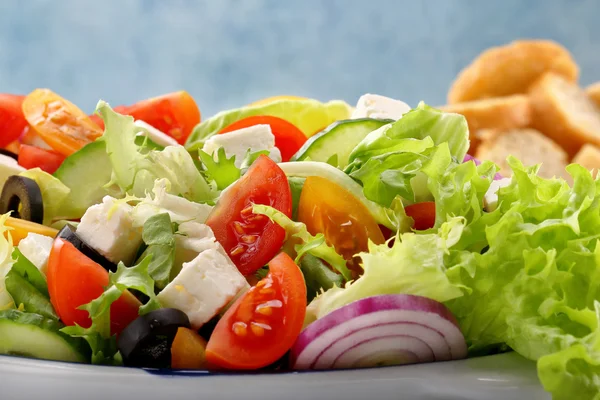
x,y
10,154
23,192
67,233
147,341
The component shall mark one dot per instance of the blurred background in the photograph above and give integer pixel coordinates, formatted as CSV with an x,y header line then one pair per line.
x,y
228,53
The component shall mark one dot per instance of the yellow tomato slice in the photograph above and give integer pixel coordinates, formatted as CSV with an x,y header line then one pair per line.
x,y
22,227
188,350
60,123
275,98
325,207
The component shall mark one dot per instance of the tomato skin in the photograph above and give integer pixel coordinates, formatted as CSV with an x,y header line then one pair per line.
x,y
75,280
188,350
175,114
32,157
328,208
60,123
12,121
263,324
252,240
423,215
288,138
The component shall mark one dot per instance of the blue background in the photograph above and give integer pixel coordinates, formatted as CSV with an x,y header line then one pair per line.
x,y
228,53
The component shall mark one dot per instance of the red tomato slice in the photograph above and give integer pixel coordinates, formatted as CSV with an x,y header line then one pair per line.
x,y
288,138
263,324
252,240
347,224
423,214
12,120
175,114
75,280
33,157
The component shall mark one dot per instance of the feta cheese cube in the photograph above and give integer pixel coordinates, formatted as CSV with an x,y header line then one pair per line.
x,y
379,107
108,227
8,167
154,134
192,239
36,248
204,287
236,143
490,199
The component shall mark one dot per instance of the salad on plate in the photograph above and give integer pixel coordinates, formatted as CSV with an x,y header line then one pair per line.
x,y
289,234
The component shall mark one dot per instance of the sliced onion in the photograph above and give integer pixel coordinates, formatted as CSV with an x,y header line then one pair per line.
x,y
468,157
380,330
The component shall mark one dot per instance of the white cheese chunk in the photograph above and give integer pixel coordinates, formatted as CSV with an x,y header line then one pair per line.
x,y
8,167
36,248
154,134
490,199
108,227
236,143
379,107
204,287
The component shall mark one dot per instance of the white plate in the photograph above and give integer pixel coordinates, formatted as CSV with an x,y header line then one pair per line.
x,y
500,377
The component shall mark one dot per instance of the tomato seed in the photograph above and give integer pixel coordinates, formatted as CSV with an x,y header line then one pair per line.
x,y
239,227
249,239
240,328
257,329
237,250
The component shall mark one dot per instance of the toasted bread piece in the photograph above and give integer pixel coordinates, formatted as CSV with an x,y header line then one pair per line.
x,y
529,146
511,69
588,157
593,91
564,113
501,113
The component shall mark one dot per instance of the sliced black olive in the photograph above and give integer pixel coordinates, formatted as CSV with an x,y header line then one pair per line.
x,y
10,154
67,233
23,192
485,249
147,341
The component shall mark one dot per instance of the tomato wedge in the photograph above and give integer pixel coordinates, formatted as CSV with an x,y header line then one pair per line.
x,y
34,157
175,114
188,350
326,207
252,240
423,215
60,123
21,228
288,138
12,121
263,324
75,280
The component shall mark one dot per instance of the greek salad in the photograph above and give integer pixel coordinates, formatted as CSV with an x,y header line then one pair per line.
x,y
289,234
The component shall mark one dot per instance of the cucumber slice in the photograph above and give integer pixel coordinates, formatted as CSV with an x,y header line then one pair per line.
x,y
85,172
32,335
338,139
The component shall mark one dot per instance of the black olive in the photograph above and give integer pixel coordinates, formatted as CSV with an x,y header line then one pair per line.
x,y
10,154
485,249
24,192
69,235
146,342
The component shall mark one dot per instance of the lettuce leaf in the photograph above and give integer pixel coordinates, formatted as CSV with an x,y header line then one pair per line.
x,y
54,194
415,264
309,244
98,335
6,262
135,169
308,115
159,236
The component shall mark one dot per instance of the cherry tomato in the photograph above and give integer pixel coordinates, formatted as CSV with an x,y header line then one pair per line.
x,y
175,114
12,121
33,157
326,207
60,123
263,324
75,280
288,138
252,240
423,214
188,350
21,228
